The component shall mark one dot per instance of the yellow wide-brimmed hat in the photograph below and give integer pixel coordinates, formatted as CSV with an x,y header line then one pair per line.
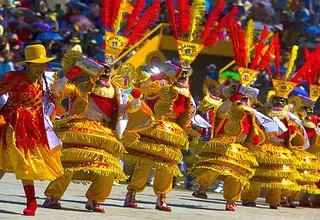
x,y
35,54
74,40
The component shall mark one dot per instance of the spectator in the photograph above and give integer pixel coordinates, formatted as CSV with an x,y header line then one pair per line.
x,y
302,14
74,45
6,65
59,11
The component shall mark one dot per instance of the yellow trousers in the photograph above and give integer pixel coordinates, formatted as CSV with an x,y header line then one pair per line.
x,y
273,196
231,188
252,193
98,191
162,183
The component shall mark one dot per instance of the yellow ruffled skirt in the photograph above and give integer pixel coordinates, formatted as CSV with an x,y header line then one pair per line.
x,y
223,155
90,147
277,167
308,167
159,146
38,163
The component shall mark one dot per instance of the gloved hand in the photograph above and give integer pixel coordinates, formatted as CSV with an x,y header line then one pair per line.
x,y
73,72
256,139
235,97
136,93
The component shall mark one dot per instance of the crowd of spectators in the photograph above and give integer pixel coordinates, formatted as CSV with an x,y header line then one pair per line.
x,y
77,25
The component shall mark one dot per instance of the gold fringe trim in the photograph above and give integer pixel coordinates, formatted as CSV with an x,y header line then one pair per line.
x,y
273,153
169,132
158,150
109,144
227,162
88,154
171,167
224,171
232,150
118,175
290,174
285,185
310,177
311,188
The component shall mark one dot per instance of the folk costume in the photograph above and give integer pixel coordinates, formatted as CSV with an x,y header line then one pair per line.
x,y
157,132
281,161
235,129
91,147
303,107
24,146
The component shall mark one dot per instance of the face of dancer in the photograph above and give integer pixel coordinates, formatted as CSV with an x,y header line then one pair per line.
x,y
278,103
36,69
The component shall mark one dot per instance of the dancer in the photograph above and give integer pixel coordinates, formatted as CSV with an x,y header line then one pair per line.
x,y
280,159
91,150
25,145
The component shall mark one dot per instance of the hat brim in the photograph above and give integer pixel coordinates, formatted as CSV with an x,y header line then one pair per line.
x,y
74,41
40,60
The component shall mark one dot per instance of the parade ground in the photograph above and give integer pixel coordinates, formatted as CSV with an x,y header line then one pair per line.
x,y
12,202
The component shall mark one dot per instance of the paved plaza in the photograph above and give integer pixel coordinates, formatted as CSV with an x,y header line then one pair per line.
x,y
184,206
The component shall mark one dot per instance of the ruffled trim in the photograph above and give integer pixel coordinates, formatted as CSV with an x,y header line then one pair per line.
x,y
82,153
283,184
274,153
158,150
233,150
227,162
102,169
156,163
307,161
311,188
168,132
290,173
224,171
310,177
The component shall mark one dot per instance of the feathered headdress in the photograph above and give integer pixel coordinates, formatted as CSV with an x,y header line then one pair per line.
x,y
123,30
186,27
309,72
248,67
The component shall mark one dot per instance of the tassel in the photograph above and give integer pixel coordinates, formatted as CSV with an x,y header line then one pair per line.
x,y
115,11
213,17
172,17
197,13
147,20
249,39
184,16
212,39
293,57
134,16
259,48
122,10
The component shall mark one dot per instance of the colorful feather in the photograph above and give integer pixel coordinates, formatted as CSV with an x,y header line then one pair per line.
x,y
122,10
259,48
306,53
249,40
293,57
184,16
212,39
145,22
172,17
106,12
197,14
213,17
238,42
269,53
277,58
115,12
134,16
